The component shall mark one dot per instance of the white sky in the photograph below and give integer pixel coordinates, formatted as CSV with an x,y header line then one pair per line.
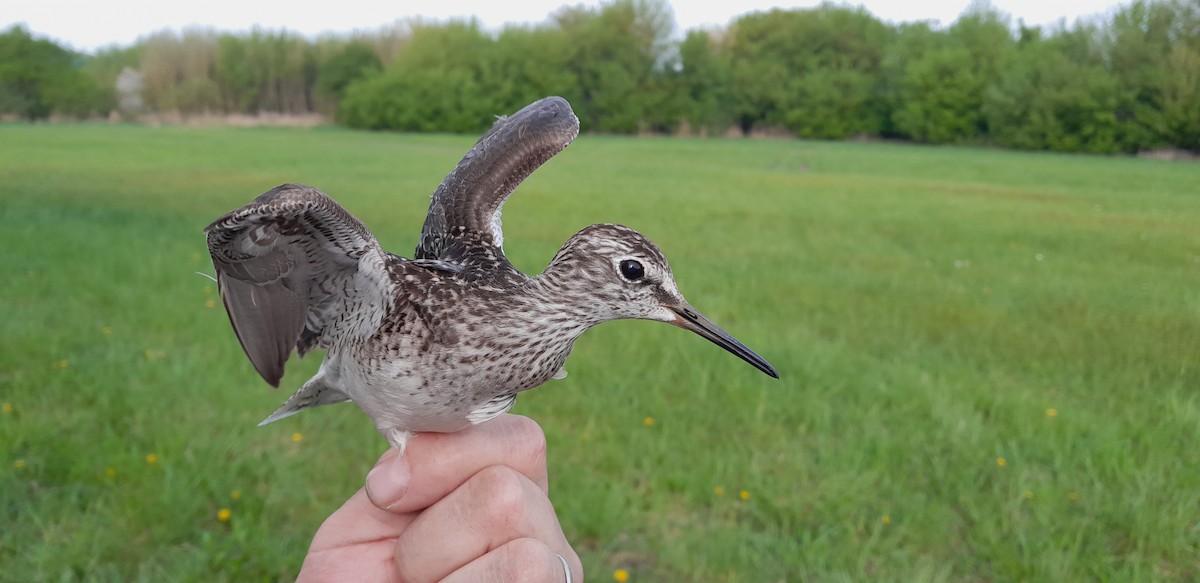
x,y
89,24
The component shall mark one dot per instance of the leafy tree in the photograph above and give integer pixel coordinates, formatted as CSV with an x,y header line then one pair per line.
x,y
266,71
942,90
1179,124
911,42
815,72
764,53
834,103
241,78
1152,49
701,83
940,97
436,84
38,78
351,62
840,95
107,64
614,53
528,63
1056,95
179,71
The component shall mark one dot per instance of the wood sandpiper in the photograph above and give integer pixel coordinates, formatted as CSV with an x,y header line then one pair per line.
x,y
448,338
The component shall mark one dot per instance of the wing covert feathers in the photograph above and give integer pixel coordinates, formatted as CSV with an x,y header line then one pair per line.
x,y
284,264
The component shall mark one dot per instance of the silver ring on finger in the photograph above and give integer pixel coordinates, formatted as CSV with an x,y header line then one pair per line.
x,y
566,567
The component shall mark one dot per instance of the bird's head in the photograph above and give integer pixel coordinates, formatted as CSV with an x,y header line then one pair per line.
x,y
615,272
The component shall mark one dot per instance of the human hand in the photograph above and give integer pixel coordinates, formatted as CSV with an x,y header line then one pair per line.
x,y
464,506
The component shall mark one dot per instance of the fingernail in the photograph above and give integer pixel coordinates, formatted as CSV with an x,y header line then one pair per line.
x,y
388,481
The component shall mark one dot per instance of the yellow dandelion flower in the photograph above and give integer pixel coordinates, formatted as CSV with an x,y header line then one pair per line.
x,y
207,290
1028,495
7,408
106,330
1001,462
1073,496
744,494
110,472
1052,412
719,491
296,437
224,515
151,459
649,421
62,364
210,303
620,575
18,464
236,494
886,519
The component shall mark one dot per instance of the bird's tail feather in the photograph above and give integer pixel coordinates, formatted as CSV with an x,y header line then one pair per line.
x,y
314,393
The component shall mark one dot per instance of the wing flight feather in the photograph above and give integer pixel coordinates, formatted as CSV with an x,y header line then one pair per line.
x,y
464,214
287,265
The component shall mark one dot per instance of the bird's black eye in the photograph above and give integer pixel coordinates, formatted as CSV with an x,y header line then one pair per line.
x,y
632,270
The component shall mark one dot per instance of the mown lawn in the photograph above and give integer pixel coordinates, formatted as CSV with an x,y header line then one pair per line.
x,y
990,360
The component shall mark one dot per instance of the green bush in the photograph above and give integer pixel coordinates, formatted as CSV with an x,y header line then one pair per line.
x,y
39,78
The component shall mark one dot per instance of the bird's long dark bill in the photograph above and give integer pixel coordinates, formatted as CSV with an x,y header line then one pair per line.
x,y
690,319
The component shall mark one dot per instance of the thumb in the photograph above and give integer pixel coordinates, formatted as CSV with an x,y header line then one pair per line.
x,y
388,481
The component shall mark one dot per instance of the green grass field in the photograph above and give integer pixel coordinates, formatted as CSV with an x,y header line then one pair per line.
x,y
990,360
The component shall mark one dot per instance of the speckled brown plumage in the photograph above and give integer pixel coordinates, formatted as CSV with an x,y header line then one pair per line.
x,y
446,339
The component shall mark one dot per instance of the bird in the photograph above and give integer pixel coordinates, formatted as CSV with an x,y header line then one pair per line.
x,y
445,339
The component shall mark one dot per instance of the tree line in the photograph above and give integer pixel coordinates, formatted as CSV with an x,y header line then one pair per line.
x,y
1124,82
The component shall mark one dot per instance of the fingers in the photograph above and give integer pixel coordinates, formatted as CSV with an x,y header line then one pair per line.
x,y
434,464
491,510
523,559
358,522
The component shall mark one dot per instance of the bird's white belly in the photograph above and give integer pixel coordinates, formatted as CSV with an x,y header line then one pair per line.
x,y
396,395
443,388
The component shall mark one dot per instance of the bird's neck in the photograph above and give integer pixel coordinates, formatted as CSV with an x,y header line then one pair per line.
x,y
571,292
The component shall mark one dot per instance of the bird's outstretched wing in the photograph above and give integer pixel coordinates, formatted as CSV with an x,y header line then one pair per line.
x,y
288,264
463,224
